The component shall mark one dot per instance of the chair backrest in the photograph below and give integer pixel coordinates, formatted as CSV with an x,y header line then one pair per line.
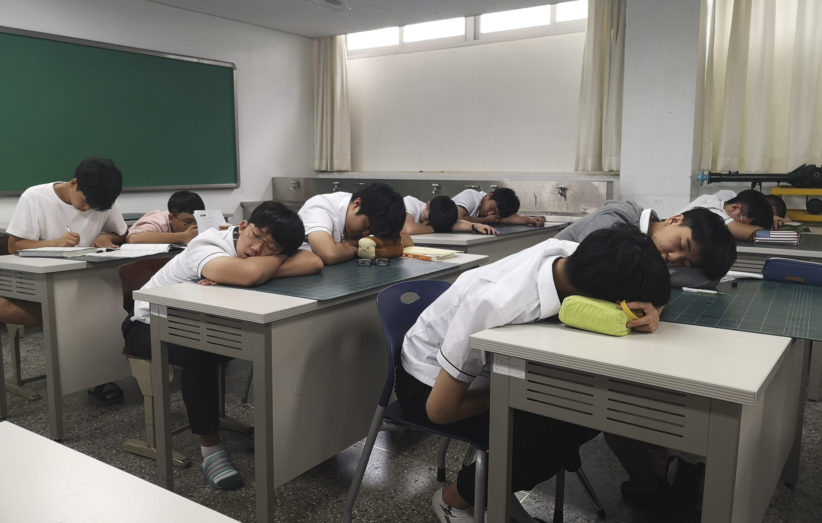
x,y
134,275
399,307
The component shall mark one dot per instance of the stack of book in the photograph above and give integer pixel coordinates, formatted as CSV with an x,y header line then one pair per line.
x,y
781,237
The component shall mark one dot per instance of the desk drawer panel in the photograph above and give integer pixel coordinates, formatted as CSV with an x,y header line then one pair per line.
x,y
21,285
198,330
659,416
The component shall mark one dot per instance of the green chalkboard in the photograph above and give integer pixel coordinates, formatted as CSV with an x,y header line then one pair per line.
x,y
166,121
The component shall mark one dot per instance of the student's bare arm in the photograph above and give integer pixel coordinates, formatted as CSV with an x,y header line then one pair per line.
x,y
742,231
164,237
108,240
450,400
479,228
462,214
243,271
520,219
299,264
412,227
70,239
330,251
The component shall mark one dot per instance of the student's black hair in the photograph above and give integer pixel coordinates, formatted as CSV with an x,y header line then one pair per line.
x,y
756,207
716,244
100,181
281,223
507,201
778,205
384,208
442,213
619,263
185,201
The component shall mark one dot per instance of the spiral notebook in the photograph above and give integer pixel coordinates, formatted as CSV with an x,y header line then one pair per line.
x,y
56,252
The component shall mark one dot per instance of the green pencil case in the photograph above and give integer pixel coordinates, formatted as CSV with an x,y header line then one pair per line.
x,y
595,315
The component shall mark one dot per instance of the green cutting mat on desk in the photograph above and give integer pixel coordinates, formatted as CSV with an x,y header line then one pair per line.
x,y
348,278
763,306
506,228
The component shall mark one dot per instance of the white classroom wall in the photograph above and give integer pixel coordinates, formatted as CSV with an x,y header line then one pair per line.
x,y
504,107
274,83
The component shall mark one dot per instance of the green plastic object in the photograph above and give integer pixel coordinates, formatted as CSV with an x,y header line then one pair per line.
x,y
593,315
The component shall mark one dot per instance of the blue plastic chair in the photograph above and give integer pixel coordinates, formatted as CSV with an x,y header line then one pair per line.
x,y
399,306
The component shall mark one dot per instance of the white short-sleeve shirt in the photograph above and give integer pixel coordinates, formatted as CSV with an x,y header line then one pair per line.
x,y
470,200
325,212
42,215
516,289
414,207
188,265
713,202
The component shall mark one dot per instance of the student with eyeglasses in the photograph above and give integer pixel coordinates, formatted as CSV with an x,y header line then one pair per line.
x,y
265,246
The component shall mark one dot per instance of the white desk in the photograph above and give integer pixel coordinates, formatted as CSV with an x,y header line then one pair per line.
x,y
495,247
318,368
46,481
727,395
82,310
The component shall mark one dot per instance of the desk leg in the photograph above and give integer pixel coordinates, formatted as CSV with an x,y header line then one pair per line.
x,y
159,381
815,378
499,463
54,389
721,461
263,421
790,474
4,411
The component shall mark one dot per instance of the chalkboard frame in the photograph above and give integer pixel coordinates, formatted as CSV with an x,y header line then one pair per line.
x,y
69,169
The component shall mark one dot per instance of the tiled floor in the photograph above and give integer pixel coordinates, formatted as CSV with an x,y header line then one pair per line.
x,y
399,482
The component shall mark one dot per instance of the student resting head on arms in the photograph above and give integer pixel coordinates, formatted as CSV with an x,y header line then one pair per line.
x,y
264,247
498,206
438,215
335,222
177,225
743,213
438,367
695,238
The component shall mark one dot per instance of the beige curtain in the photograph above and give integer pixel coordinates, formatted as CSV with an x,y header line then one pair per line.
x,y
332,128
600,99
763,85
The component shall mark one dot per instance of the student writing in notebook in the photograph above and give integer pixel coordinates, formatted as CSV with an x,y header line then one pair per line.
x,y
438,215
263,247
177,225
80,212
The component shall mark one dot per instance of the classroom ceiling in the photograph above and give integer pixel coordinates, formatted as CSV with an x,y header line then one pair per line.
x,y
315,18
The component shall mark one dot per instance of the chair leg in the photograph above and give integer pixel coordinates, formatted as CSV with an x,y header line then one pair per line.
x,y
589,489
365,455
442,452
4,409
480,477
147,448
16,386
559,497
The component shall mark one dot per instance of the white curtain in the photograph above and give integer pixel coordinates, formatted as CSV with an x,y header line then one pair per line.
x,y
332,127
600,99
763,85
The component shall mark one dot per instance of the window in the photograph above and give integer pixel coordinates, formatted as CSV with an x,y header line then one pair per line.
x,y
516,19
543,20
576,10
433,30
387,36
